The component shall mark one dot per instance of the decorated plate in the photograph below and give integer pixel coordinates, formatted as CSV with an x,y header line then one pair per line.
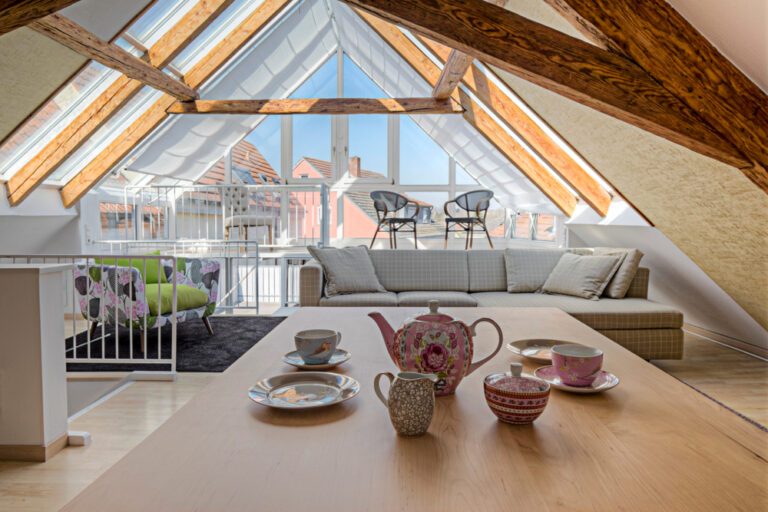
x,y
603,382
304,390
538,350
338,357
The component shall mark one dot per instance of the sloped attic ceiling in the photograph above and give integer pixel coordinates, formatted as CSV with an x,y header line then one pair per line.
x,y
26,82
186,146
710,210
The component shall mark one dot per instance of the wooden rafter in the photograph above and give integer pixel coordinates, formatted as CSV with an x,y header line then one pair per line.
x,y
534,135
17,14
319,106
97,168
454,67
42,165
578,70
72,35
674,53
475,115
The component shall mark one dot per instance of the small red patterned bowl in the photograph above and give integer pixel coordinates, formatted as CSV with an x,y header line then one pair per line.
x,y
514,398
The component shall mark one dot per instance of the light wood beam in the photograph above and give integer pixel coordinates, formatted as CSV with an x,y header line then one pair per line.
x,y
17,14
43,164
97,168
673,52
454,67
515,118
73,36
477,117
573,68
319,106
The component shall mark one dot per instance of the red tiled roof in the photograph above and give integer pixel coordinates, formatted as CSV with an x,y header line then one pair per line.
x,y
245,156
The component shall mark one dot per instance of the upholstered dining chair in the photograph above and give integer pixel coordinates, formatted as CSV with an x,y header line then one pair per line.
x,y
473,209
237,212
387,204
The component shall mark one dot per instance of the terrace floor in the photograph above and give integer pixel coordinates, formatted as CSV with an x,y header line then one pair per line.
x,y
122,421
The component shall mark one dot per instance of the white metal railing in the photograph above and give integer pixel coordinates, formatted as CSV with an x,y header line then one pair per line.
x,y
274,215
84,286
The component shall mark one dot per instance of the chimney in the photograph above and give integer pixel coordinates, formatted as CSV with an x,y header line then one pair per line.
x,y
354,166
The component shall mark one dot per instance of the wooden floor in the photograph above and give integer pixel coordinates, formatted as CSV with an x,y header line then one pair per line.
x,y
124,420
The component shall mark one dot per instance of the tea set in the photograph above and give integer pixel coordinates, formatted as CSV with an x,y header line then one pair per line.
x,y
434,352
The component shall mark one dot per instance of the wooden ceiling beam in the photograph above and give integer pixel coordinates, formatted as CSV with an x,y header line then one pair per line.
x,y
686,64
491,96
105,161
319,106
454,67
75,37
560,196
42,165
20,13
566,65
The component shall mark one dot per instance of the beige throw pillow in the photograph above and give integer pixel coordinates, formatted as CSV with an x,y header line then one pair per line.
x,y
527,269
347,270
619,284
581,276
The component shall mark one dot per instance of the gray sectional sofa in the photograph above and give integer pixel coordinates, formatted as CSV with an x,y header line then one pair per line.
x,y
478,278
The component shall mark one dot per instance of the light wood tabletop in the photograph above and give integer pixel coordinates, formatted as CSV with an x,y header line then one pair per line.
x,y
651,443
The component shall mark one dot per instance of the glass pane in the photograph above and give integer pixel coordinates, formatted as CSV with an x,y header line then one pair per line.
x,y
322,84
522,227
214,176
422,161
545,227
115,223
155,22
311,147
265,143
357,84
463,178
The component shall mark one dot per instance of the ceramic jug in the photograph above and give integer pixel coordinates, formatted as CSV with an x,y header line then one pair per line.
x,y
411,401
435,343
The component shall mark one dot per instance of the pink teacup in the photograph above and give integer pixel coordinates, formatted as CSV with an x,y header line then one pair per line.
x,y
577,365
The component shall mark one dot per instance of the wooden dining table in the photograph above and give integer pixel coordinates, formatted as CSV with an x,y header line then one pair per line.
x,y
651,443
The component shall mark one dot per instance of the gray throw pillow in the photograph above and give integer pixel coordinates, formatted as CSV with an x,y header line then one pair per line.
x,y
619,284
581,276
347,270
527,269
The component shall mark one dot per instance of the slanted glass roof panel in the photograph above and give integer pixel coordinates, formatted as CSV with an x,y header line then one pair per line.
x,y
214,33
54,116
150,27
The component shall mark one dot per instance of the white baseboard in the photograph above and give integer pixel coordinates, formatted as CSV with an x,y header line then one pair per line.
x,y
722,339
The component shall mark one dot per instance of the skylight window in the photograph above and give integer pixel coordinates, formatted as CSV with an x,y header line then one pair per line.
x,y
151,26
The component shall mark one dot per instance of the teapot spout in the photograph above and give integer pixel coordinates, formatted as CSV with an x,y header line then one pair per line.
x,y
386,330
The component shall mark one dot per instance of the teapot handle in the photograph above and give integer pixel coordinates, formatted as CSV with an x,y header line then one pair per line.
x,y
474,366
377,388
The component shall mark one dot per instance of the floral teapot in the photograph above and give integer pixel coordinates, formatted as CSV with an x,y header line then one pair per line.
x,y
435,343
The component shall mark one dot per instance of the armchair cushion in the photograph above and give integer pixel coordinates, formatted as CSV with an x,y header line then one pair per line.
x,y
152,267
187,297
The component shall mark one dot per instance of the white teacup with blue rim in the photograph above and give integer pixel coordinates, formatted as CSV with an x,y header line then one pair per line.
x,y
316,346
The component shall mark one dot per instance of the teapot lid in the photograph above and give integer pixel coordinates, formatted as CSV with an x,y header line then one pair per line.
x,y
433,315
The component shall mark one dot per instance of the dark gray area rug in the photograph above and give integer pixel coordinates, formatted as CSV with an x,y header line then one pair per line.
x,y
196,350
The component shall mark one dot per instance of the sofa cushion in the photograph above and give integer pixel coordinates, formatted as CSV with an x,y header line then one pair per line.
x,y
582,276
528,268
187,297
347,270
447,299
361,299
486,271
421,270
598,314
619,283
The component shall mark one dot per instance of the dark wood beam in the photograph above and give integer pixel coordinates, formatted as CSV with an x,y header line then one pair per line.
x,y
454,67
578,70
682,60
66,142
515,153
498,102
23,12
105,161
319,106
74,36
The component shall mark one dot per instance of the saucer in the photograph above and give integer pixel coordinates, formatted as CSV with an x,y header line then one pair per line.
x,y
338,357
603,382
538,350
304,390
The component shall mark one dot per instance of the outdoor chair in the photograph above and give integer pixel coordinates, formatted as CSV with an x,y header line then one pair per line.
x,y
475,204
387,204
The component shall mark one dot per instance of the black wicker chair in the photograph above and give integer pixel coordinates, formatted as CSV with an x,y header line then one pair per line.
x,y
387,204
475,204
